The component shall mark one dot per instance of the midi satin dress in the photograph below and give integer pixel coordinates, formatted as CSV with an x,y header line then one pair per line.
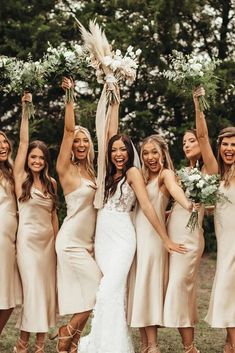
x,y
180,306
149,272
78,275
37,263
221,312
10,287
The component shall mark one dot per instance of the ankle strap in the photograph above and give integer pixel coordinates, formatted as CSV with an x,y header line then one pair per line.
x,y
23,344
187,349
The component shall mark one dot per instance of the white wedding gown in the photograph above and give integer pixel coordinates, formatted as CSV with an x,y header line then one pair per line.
x,y
115,244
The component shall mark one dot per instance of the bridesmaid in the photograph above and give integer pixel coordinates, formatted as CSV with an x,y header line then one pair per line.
x,y
221,313
180,309
38,226
77,272
148,276
8,267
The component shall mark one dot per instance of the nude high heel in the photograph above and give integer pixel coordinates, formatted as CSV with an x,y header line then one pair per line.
x,y
75,342
189,349
21,346
64,340
39,346
153,348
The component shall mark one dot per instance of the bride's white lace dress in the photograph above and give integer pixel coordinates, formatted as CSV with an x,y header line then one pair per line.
x,y
115,245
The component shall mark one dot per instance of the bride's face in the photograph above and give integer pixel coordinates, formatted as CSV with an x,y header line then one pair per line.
x,y
119,154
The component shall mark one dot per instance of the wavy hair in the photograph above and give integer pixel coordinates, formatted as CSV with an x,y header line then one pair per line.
x,y
45,176
165,160
110,182
194,132
6,167
226,175
90,155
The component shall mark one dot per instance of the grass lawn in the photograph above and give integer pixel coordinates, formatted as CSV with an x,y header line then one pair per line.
x,y
208,340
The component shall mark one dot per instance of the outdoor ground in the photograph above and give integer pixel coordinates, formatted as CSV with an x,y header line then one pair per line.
x,y
208,340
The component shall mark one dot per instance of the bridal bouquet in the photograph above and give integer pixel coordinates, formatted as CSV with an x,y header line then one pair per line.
x,y
112,67
191,71
200,188
63,61
25,76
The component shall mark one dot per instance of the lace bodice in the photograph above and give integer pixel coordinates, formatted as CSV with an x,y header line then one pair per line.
x,y
123,199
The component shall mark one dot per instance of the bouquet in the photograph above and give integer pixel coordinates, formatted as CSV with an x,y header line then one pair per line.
x,y
63,61
25,76
191,71
200,188
111,66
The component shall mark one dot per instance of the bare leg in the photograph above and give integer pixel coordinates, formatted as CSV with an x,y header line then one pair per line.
x,y
187,335
144,340
67,332
151,332
4,316
76,337
230,339
40,342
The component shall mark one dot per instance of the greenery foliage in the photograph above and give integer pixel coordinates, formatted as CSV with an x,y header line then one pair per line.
x,y
157,27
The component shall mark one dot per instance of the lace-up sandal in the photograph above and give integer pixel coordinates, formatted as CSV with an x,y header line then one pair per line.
x,y
75,342
144,348
153,348
191,349
64,341
21,346
39,346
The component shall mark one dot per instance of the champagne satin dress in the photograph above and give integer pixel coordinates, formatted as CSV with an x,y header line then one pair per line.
x,y
221,311
37,263
78,274
180,307
149,272
10,289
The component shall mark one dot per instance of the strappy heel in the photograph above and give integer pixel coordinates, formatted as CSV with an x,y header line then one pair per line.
x,y
21,346
144,348
65,340
188,349
75,342
39,346
153,348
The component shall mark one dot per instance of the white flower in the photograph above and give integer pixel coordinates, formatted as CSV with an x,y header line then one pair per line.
x,y
118,52
138,52
107,60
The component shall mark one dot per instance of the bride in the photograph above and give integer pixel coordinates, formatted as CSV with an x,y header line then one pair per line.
x,y
115,244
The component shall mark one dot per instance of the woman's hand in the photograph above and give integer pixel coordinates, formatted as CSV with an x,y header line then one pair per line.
x,y
198,92
67,83
171,246
27,97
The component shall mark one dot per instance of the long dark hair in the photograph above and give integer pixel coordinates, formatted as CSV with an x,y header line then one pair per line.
x,y
226,175
45,176
200,160
110,182
6,170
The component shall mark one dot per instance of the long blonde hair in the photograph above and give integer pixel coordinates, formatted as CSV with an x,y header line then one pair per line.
x,y
162,148
228,174
6,167
90,155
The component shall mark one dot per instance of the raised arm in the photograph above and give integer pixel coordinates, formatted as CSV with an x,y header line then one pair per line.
x,y
63,160
136,181
19,172
175,190
209,160
114,117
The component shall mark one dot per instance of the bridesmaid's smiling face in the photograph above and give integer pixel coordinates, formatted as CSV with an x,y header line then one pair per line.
x,y
119,154
191,146
152,157
80,146
4,148
227,150
36,160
